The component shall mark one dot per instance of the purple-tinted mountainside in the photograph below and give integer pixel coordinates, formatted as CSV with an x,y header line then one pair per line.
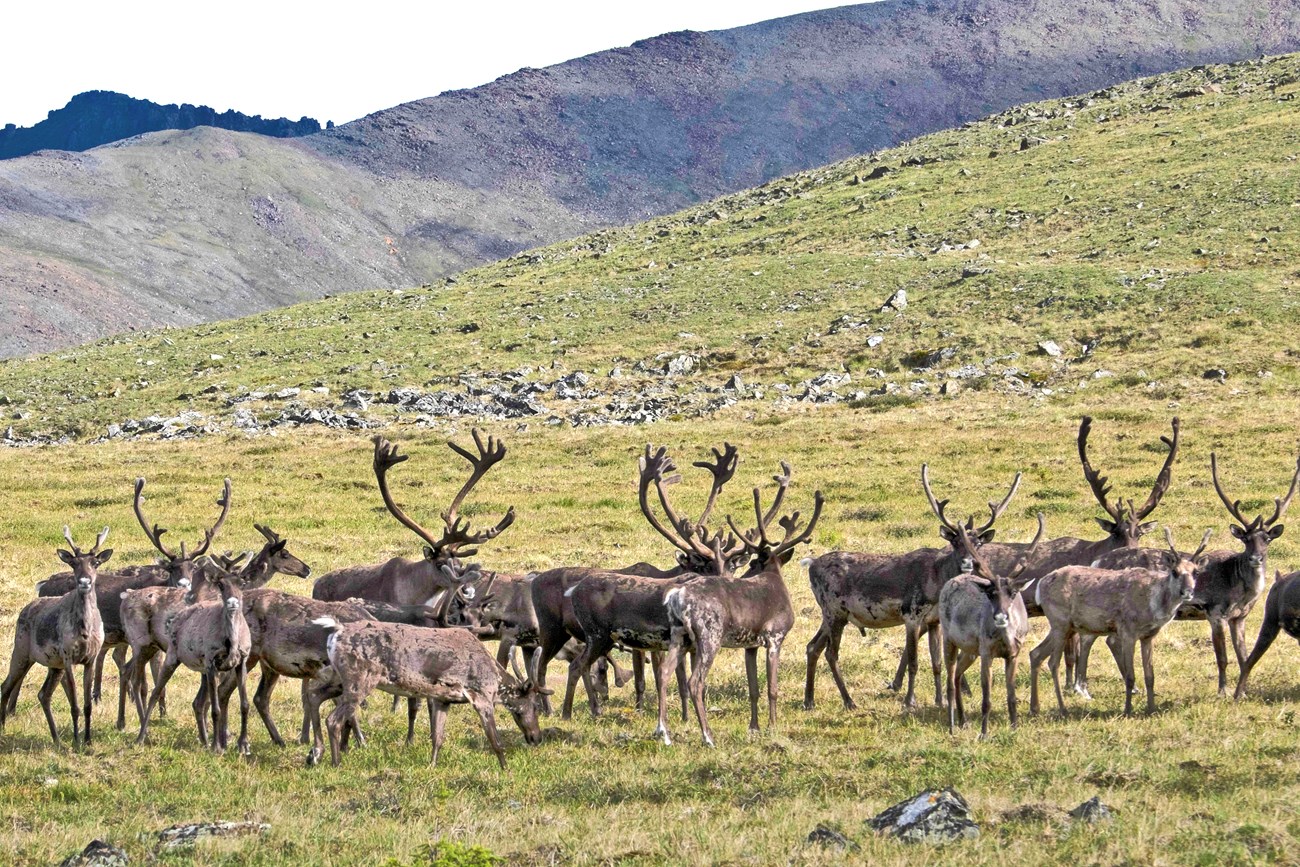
x,y
181,227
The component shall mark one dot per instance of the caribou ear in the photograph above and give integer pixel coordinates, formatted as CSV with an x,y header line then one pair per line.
x,y
1143,529
102,557
66,557
987,535
428,553
1109,526
948,535
1237,532
1019,584
1276,531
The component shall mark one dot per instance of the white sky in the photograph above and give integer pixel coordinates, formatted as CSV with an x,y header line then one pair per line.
x,y
328,61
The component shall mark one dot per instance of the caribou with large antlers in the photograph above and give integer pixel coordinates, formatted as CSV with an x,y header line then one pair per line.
x,y
553,605
1228,583
406,582
709,612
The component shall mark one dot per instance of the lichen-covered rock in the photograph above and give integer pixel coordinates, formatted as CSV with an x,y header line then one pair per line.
x,y
180,836
1092,811
933,816
97,854
825,835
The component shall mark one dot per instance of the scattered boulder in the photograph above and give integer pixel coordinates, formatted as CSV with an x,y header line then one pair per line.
x,y
680,365
824,835
1215,374
735,384
182,836
1092,811
97,854
875,340
934,816
897,301
287,393
1050,347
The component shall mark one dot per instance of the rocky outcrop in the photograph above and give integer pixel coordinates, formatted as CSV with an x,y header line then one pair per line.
x,y
99,117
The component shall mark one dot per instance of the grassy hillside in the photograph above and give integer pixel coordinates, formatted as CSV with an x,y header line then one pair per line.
x,y
757,284
1142,229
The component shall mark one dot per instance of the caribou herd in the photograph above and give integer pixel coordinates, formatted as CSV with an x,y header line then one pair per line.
x,y
416,629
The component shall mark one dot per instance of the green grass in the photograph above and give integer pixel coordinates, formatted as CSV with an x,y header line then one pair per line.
x,y
600,792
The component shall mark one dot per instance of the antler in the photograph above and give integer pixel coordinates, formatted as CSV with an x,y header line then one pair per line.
x,y
936,505
227,561
1166,473
270,535
794,535
209,535
386,457
723,468
653,467
1096,481
455,536
1028,556
996,509
155,535
99,541
1233,506
1280,506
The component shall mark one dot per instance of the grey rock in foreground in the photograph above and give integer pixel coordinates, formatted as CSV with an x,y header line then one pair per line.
x,y
97,854
180,836
1092,811
933,816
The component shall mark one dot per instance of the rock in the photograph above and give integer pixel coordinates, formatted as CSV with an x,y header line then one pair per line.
x,y
824,835
1092,811
967,371
735,384
1102,374
357,398
245,420
97,854
1050,347
875,340
1217,374
468,328
287,393
404,396
878,172
951,388
897,301
181,836
933,816
970,271
114,430
1030,141
680,365
927,360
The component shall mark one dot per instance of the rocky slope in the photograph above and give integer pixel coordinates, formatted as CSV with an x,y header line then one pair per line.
x,y
100,117
182,227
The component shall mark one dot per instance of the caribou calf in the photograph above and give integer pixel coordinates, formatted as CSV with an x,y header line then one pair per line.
x,y
211,638
59,633
445,666
1281,614
1133,604
983,617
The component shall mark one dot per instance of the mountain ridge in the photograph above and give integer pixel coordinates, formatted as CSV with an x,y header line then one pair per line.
x,y
100,117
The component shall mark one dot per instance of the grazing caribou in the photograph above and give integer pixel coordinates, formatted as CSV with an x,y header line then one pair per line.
x,y
1132,604
59,633
444,666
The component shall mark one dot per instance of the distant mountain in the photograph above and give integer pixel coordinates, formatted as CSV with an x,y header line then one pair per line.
x,y
99,117
184,227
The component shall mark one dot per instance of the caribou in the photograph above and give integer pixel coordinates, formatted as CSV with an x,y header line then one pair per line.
x,y
1132,604
1228,583
59,633
1281,613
